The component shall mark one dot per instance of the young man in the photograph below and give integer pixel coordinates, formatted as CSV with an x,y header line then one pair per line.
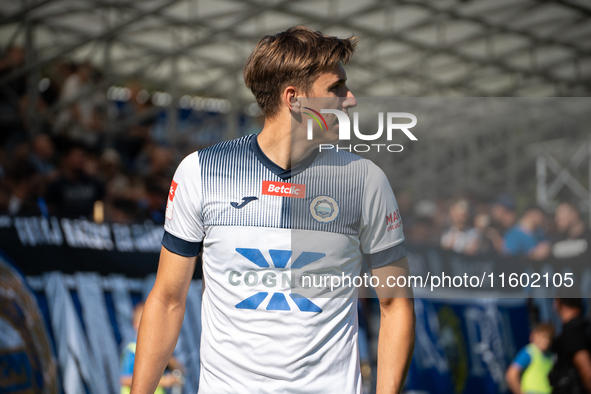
x,y
575,237
572,371
526,237
270,204
528,373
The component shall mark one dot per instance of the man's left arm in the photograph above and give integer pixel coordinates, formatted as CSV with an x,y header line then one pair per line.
x,y
397,328
382,244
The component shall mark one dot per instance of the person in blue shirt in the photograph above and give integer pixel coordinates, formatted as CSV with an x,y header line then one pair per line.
x,y
528,373
128,358
526,237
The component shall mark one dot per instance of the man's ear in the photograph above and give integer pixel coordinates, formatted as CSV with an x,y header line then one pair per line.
x,y
291,99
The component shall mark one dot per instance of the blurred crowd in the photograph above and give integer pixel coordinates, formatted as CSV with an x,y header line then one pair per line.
x,y
474,227
74,152
82,154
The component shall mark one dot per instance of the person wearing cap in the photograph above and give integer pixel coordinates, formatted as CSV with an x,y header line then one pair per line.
x,y
503,217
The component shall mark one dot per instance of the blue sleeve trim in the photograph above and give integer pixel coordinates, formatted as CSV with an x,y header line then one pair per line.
x,y
522,359
385,257
180,246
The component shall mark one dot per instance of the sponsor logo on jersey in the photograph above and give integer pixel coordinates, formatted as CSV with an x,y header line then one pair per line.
x,y
393,220
284,189
324,209
267,275
169,203
172,191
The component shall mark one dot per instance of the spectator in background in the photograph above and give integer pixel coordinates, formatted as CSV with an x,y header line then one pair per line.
x,y
41,155
11,97
80,119
526,238
423,229
138,114
74,193
159,162
128,359
503,217
117,182
154,202
571,373
23,184
123,210
460,237
528,373
575,236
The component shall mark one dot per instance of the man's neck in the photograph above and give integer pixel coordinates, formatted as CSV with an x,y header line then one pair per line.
x,y
275,140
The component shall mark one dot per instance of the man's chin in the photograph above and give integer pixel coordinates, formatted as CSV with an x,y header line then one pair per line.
x,y
331,139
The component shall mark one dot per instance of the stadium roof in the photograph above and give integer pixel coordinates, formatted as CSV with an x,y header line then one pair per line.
x,y
407,47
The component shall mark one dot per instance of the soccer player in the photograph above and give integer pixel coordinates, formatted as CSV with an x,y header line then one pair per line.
x,y
259,209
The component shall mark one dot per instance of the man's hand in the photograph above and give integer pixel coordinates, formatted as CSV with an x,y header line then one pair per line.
x,y
397,329
161,320
168,380
541,251
513,378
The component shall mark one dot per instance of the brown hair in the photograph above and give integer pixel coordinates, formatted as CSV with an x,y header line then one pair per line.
x,y
294,57
544,328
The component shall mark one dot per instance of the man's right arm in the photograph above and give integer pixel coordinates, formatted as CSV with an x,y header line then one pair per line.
x,y
582,361
513,378
161,320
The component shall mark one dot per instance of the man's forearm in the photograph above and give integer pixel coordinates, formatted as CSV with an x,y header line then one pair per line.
x,y
395,344
157,337
513,379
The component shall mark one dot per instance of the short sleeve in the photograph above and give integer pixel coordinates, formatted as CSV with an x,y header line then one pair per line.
x,y
381,236
575,339
522,359
183,225
127,361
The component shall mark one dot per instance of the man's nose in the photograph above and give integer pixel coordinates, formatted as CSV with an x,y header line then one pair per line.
x,y
349,101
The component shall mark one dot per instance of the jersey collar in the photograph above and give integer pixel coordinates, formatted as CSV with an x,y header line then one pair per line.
x,y
274,168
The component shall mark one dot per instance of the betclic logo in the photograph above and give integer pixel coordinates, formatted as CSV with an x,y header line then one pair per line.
x,y
284,189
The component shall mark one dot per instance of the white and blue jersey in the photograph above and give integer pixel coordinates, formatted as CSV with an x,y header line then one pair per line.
x,y
257,223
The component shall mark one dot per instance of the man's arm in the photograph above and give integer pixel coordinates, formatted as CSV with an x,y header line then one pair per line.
x,y
397,329
582,361
513,378
161,320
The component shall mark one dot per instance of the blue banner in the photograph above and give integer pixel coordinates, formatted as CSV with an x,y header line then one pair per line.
x,y
465,345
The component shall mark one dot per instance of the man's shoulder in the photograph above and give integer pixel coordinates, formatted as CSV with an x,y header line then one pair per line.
x,y
351,163
217,152
514,232
227,147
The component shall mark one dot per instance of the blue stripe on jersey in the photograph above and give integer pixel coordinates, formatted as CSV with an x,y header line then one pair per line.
x,y
179,246
233,170
385,257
